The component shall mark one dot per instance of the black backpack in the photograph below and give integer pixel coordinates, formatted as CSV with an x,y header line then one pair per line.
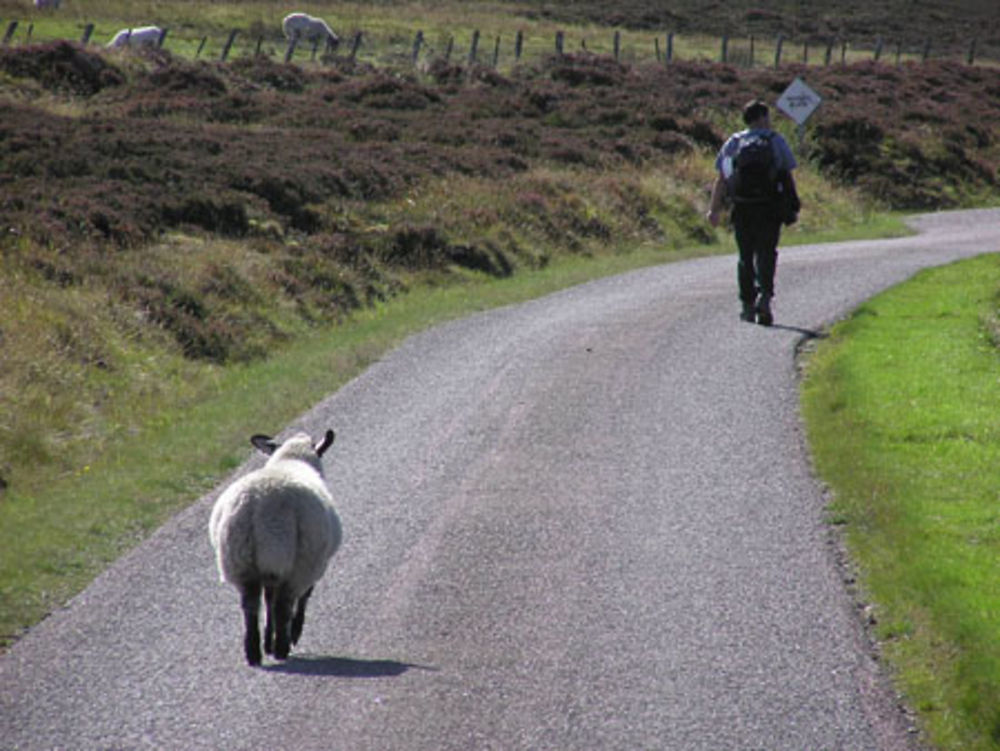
x,y
755,170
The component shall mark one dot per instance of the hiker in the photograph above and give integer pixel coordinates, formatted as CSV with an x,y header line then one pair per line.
x,y
755,174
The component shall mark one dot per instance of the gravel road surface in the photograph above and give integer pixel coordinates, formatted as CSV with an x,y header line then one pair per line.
x,y
584,522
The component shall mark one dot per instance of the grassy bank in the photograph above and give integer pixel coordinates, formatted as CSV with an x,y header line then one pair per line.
x,y
901,406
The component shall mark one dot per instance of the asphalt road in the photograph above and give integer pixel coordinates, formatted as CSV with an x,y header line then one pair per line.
x,y
585,522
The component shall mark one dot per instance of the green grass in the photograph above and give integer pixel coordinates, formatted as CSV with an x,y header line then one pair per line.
x,y
901,404
389,37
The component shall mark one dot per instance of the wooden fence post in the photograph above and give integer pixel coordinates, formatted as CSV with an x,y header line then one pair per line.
x,y
449,48
878,48
725,49
10,33
560,38
829,53
656,44
777,50
474,47
972,53
229,44
843,52
418,42
670,47
518,44
496,52
899,52
88,31
355,46
201,46
618,45
31,28
752,50
927,51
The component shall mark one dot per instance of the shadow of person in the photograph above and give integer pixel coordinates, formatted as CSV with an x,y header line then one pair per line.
x,y
341,667
806,333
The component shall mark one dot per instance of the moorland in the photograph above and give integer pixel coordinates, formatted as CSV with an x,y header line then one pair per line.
x,y
166,221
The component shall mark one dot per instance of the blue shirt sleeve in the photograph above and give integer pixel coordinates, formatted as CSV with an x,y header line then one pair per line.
x,y
786,159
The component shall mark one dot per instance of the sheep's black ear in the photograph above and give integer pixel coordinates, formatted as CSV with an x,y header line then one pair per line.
x,y
326,443
264,443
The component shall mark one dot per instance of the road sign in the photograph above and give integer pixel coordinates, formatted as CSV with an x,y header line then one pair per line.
x,y
799,101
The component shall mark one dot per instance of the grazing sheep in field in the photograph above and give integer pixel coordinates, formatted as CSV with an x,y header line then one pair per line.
x,y
148,35
274,530
302,26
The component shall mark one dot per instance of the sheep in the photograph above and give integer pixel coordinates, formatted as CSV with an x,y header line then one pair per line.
x,y
303,26
141,35
275,530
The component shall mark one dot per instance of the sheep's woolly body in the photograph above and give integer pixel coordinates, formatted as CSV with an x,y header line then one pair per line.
x,y
274,531
277,523
149,35
307,27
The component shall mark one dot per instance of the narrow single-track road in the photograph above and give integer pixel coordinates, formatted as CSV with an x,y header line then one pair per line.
x,y
584,522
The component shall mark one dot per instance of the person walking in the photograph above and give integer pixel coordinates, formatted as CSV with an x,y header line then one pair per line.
x,y
754,169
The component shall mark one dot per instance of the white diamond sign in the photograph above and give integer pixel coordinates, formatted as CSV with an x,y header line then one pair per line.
x,y
799,101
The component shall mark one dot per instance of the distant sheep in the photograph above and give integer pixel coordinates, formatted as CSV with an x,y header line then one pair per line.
x,y
274,531
302,26
141,35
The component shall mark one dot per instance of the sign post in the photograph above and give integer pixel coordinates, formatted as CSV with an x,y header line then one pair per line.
x,y
799,102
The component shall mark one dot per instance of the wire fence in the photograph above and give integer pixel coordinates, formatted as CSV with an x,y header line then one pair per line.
x,y
747,52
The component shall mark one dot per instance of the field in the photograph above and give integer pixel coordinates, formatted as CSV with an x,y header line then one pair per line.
x,y
171,225
951,27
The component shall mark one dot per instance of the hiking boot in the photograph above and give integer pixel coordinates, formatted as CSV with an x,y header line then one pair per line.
x,y
749,313
764,315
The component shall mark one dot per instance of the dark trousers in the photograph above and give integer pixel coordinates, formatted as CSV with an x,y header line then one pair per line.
x,y
758,229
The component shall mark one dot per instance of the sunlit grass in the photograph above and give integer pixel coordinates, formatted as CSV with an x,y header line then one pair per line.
x,y
389,36
901,405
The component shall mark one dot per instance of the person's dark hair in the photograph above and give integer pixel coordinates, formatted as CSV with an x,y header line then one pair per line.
x,y
754,111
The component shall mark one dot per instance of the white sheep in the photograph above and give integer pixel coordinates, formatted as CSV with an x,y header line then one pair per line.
x,y
141,35
302,26
275,530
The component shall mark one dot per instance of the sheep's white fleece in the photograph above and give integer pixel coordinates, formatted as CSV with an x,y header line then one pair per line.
x,y
137,36
277,522
307,27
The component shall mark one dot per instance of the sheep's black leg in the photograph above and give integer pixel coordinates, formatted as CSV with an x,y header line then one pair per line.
x,y
283,623
300,616
270,593
250,601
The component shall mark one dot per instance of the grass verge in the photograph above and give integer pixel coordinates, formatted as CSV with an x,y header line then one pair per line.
x,y
901,408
